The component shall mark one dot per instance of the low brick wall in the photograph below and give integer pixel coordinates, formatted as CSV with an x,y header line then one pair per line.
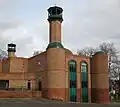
x,y
20,94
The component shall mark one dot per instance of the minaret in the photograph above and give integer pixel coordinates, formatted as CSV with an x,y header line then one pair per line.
x,y
11,50
55,52
55,19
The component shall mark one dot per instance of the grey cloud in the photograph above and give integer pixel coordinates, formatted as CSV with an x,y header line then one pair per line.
x,y
22,48
86,22
5,25
8,8
96,21
4,40
8,21
9,3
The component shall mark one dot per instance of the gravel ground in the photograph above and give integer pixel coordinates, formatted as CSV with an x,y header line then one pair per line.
x,y
47,103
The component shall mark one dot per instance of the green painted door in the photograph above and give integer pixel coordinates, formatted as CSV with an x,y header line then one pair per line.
x,y
84,81
73,92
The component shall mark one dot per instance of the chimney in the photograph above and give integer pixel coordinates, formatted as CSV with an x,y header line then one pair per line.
x,y
11,50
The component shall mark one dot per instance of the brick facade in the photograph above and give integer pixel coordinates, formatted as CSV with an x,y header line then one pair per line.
x,y
49,71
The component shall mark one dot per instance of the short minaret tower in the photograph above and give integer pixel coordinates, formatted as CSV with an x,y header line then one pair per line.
x,y
11,50
99,78
55,19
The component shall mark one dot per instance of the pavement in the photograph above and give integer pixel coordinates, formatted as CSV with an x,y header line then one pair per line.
x,y
47,103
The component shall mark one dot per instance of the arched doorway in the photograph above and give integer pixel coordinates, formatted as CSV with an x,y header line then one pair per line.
x,y
72,81
39,86
84,81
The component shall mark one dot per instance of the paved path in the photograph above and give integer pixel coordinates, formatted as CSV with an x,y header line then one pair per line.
x,y
46,103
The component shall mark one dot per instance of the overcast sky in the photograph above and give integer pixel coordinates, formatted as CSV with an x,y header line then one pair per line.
x,y
86,23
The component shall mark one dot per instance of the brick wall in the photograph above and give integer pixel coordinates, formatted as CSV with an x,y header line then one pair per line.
x,y
18,64
19,94
37,63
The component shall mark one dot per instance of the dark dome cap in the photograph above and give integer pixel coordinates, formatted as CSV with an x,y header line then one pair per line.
x,y
11,45
55,7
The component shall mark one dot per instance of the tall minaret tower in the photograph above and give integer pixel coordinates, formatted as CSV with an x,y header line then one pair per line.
x,y
55,19
55,52
11,50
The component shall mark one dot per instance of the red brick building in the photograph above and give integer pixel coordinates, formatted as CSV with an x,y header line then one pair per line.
x,y
57,72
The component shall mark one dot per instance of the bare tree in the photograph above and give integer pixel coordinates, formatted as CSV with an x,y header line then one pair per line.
x,y
36,53
114,64
88,51
110,50
3,55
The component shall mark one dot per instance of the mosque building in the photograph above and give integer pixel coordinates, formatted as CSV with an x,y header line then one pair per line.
x,y
57,72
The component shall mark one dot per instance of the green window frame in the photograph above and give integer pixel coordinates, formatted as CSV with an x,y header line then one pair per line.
x,y
72,81
84,81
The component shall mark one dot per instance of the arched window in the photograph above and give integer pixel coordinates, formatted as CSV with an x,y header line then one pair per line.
x,y
73,85
84,81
